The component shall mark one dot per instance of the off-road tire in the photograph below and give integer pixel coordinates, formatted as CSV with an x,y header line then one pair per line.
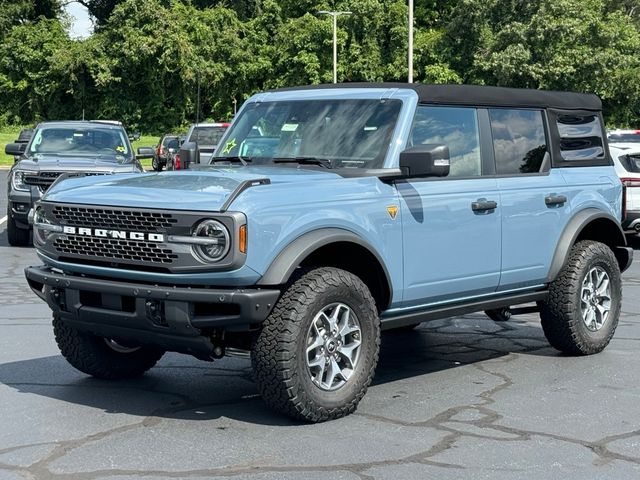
x,y
91,355
561,314
499,314
279,357
17,237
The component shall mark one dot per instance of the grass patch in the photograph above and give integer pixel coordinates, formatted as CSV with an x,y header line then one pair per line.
x,y
9,135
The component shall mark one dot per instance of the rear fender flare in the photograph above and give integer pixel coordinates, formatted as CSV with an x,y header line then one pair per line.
x,y
573,229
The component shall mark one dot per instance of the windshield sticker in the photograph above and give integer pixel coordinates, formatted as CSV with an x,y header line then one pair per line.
x,y
231,144
289,127
120,149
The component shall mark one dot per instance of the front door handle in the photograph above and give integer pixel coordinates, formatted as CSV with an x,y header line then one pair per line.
x,y
553,200
483,205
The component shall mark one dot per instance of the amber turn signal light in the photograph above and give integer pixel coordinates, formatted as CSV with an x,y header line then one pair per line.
x,y
243,239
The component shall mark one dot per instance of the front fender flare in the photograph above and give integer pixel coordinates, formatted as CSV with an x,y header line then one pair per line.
x,y
293,254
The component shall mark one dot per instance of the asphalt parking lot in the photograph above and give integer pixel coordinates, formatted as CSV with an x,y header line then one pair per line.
x,y
462,398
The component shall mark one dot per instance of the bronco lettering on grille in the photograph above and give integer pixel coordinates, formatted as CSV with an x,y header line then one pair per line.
x,y
117,234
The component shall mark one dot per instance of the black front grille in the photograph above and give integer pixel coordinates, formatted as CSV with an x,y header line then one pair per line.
x,y
43,180
113,219
109,248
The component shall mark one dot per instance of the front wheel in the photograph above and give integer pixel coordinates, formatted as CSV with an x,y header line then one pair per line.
x,y
17,237
581,313
317,351
102,357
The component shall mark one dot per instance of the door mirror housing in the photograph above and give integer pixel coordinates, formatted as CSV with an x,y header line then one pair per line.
x,y
189,153
15,149
145,152
430,160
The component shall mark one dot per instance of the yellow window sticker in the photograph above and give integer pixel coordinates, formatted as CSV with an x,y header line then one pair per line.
x,y
231,144
289,127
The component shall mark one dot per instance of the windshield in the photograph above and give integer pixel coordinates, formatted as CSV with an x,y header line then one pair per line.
x,y
109,144
624,138
207,135
348,133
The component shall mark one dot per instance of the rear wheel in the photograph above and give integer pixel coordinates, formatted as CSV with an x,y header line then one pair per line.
x,y
581,313
103,357
317,351
17,237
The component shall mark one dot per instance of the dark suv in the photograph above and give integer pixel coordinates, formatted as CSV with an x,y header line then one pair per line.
x,y
66,147
168,144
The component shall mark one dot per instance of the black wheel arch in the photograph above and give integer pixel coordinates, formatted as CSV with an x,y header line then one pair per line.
x,y
333,247
591,224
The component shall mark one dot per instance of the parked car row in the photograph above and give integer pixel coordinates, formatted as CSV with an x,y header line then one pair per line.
x,y
205,135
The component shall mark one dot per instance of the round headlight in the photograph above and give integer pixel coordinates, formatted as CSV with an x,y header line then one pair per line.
x,y
40,225
215,241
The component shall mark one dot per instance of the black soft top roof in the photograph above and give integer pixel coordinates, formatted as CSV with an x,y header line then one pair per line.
x,y
482,95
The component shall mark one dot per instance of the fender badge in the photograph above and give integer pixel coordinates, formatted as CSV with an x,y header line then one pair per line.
x,y
392,210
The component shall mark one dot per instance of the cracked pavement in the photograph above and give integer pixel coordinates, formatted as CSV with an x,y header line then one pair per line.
x,y
458,398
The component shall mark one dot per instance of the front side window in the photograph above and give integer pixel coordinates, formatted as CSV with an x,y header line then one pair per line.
x,y
341,133
104,143
457,128
519,141
580,137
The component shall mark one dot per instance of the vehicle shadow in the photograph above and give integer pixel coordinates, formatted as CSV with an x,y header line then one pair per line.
x,y
184,388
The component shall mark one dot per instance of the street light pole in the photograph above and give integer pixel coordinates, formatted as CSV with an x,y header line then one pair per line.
x,y
410,59
334,16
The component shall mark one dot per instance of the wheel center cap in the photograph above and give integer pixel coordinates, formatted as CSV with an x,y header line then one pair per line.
x,y
331,346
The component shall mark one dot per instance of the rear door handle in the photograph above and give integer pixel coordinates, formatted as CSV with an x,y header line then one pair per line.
x,y
483,205
552,200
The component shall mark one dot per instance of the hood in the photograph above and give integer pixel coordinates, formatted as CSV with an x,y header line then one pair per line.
x,y
72,164
204,189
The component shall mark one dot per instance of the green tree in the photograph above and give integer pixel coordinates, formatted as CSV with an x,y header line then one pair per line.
x,y
20,12
549,44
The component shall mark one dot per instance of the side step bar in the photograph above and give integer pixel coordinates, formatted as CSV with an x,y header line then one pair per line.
x,y
456,309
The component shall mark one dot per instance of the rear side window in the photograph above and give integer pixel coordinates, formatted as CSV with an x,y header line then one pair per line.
x,y
580,137
519,141
207,135
457,128
631,162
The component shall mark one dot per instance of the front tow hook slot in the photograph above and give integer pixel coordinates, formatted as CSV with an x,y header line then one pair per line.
x,y
59,298
155,312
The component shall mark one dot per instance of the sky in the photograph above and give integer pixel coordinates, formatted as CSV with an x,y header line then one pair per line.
x,y
81,26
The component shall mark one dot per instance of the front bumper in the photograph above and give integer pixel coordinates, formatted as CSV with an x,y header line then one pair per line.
x,y
19,205
173,318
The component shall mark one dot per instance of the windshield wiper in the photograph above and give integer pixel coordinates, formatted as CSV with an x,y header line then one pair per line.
x,y
243,161
323,162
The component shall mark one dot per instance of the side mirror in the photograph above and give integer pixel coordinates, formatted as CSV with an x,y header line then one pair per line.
x,y
15,149
430,160
145,152
189,153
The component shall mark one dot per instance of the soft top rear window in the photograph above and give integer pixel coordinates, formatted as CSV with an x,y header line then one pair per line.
x,y
580,137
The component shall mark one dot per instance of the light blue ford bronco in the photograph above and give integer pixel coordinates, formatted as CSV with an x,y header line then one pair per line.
x,y
330,213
